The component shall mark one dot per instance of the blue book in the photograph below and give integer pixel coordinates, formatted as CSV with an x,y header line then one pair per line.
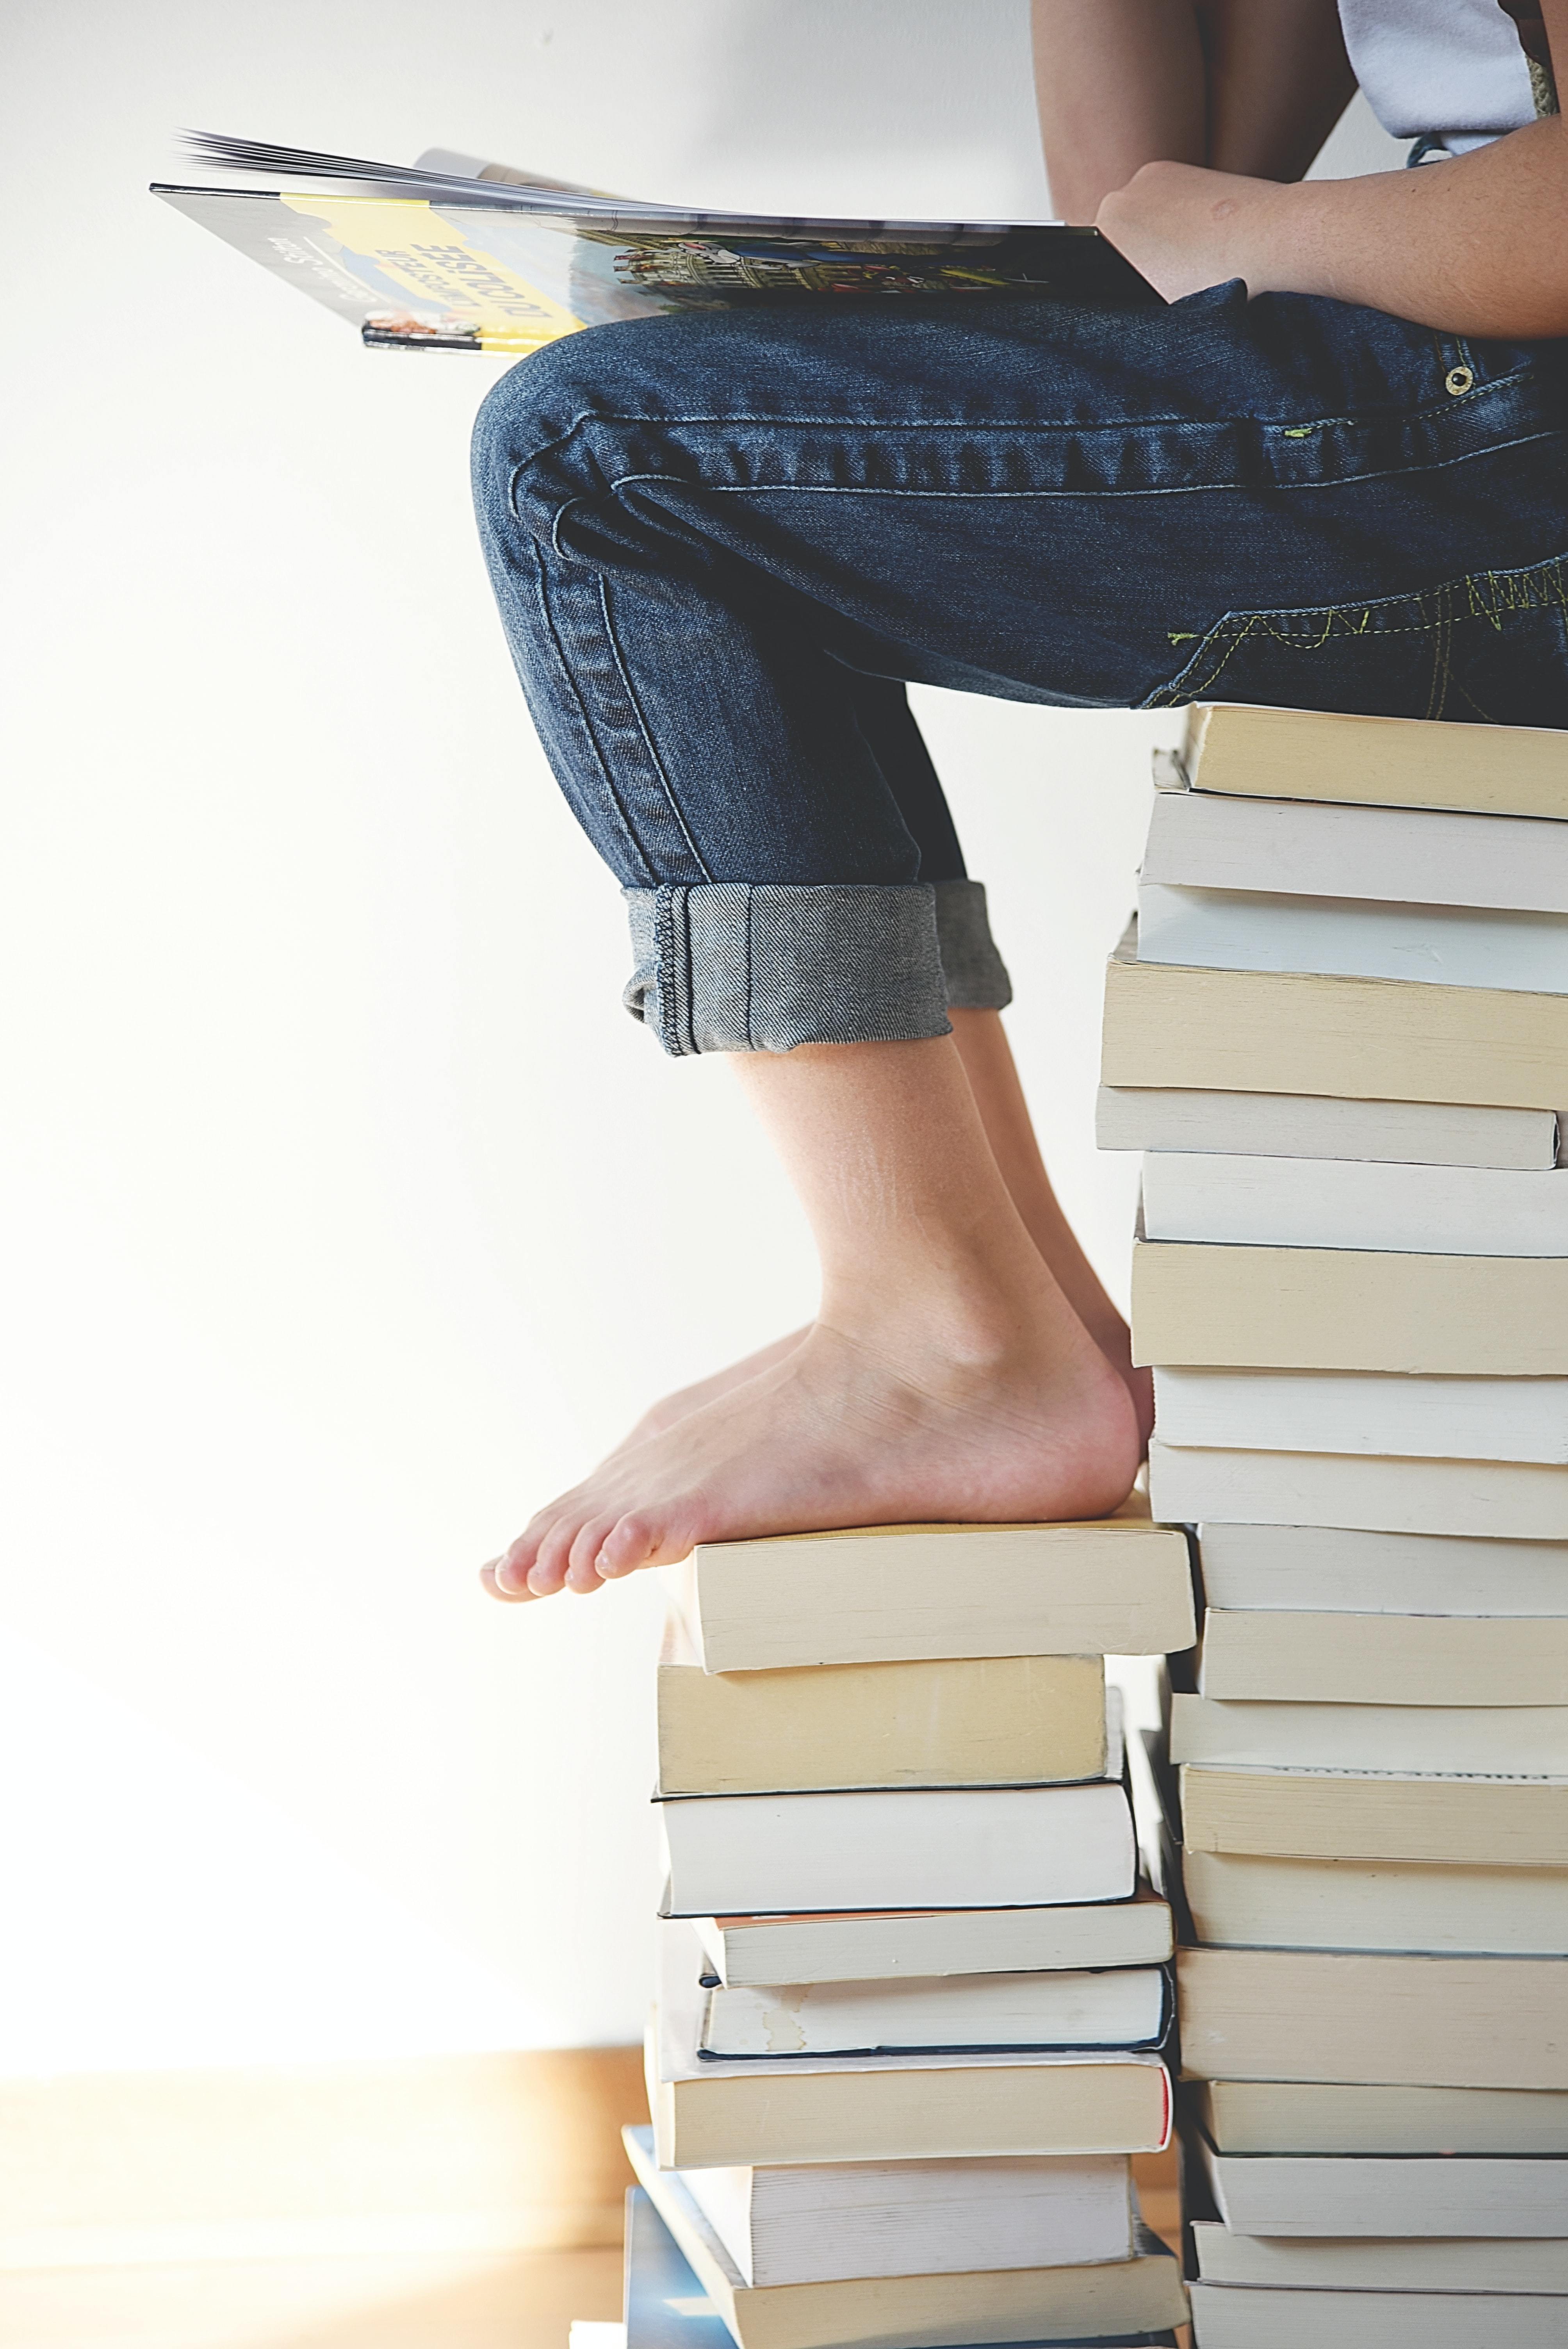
x,y
667,2307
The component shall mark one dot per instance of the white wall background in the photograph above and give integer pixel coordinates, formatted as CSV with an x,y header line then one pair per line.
x,y
344,1216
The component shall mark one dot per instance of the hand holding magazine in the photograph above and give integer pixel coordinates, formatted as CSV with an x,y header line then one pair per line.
x,y
451,254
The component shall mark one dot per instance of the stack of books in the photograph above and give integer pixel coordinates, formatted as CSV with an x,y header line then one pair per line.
x,y
914,1989
1340,1037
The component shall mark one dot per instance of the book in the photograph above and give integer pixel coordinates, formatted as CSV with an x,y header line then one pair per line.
x,y
1513,1739
944,1848
1377,1660
1340,1815
1516,1500
1349,1309
453,254
1364,1411
1319,754
826,2108
1132,2297
953,2013
1257,1900
1305,1125
1301,1203
983,1720
1460,2264
1315,2117
1235,2316
1349,937
1363,2194
1394,856
882,1594
1343,1570
1335,2015
1262,1032
666,2306
864,2218
749,1951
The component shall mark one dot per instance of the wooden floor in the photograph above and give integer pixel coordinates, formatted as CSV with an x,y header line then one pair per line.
x,y
475,2301
524,2301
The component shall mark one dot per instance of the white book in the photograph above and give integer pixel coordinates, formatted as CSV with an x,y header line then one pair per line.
x,y
1381,1412
828,2222
1313,849
1339,1203
1245,1900
1516,1500
1507,1741
1346,937
1315,1125
1364,2194
1114,2302
1236,2316
1269,1657
966,1847
1343,1570
1502,2263
1120,2009
744,1952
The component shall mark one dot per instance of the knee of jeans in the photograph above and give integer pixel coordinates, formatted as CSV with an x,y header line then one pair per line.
x,y
540,439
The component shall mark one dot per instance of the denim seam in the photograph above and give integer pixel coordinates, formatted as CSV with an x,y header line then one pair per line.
x,y
1174,489
600,761
654,759
1230,634
1444,407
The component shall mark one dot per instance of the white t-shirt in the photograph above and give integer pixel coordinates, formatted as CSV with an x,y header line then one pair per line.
x,y
1448,69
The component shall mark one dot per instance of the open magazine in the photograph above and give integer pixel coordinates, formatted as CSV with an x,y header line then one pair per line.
x,y
451,254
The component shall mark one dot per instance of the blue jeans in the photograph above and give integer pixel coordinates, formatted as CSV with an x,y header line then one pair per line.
x,y
723,542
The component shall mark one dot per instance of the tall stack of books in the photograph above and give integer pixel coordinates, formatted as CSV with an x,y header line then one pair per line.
x,y
1341,1039
914,1991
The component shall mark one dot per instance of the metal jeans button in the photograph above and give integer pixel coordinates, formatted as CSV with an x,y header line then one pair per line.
x,y
1458,380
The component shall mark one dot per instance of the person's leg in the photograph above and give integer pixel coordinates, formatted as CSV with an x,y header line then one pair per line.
x,y
994,1080
947,1377
695,531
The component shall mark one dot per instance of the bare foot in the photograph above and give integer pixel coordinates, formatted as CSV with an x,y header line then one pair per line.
x,y
850,1429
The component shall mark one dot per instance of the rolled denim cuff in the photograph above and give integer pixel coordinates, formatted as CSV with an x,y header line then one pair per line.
x,y
731,966
975,974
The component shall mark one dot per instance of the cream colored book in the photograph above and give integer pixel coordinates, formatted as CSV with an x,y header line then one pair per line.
x,y
1254,1031
1318,754
1463,2263
1515,1740
1349,1309
748,1950
1327,2195
884,1594
1340,1815
1318,2117
1236,2316
1316,1126
1269,1656
1520,1500
1335,1569
982,1721
1077,2303
1257,1900
1335,2015
715,2115
851,2219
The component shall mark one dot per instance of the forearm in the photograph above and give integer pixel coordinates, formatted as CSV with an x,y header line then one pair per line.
x,y
1250,86
1477,245
1120,83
